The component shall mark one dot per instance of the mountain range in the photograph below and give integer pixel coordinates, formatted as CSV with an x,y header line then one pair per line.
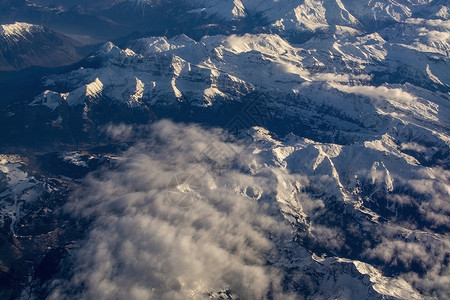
x,y
307,153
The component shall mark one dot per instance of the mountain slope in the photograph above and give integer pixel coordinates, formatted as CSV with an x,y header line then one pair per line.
x,y
24,45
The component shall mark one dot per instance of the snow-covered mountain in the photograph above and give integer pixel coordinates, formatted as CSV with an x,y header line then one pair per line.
x,y
359,86
296,20
328,179
23,45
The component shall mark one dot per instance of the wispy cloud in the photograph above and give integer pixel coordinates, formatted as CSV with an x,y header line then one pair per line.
x,y
425,256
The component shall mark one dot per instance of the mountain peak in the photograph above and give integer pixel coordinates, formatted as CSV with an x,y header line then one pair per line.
x,y
23,45
110,51
19,29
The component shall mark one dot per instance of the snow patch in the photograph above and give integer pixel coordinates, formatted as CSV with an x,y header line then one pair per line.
x,y
94,89
48,98
138,93
20,189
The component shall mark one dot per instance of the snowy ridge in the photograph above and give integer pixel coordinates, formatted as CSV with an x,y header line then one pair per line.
x,y
23,45
374,181
158,73
357,57
340,78
310,15
222,10
379,163
396,288
19,30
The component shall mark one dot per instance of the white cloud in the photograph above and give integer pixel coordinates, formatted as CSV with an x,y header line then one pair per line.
x,y
394,101
380,91
121,132
143,246
439,23
345,78
332,238
413,146
429,253
434,197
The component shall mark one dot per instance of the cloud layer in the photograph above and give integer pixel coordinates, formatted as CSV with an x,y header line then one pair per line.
x,y
144,245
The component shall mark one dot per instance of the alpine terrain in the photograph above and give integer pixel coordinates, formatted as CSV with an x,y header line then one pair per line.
x,y
234,149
